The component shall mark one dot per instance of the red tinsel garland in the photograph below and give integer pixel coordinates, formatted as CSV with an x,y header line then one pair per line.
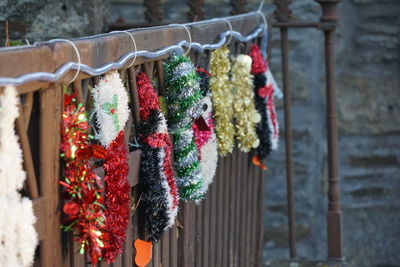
x,y
117,196
84,207
258,64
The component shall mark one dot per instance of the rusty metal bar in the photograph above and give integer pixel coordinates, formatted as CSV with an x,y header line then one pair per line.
x,y
283,15
296,24
288,143
334,216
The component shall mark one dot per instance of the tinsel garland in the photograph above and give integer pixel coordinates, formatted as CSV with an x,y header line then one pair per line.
x,y
83,191
205,138
245,113
258,69
273,90
222,99
160,196
18,238
184,105
111,108
267,129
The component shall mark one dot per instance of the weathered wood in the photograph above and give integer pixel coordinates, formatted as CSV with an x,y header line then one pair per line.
x,y
224,230
27,108
26,150
51,103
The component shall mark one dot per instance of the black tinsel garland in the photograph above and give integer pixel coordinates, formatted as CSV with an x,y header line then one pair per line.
x,y
262,128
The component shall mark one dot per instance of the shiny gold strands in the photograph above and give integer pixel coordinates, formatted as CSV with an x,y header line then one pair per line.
x,y
245,114
222,98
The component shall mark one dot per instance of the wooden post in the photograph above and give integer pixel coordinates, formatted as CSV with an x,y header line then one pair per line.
x,y
51,105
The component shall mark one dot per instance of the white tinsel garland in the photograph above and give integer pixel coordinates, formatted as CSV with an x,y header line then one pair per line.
x,y
271,111
18,238
111,105
209,151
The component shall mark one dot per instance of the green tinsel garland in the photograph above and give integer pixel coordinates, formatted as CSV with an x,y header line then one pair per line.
x,y
184,95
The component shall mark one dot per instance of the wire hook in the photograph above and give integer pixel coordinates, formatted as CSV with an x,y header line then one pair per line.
x,y
134,44
77,55
230,29
259,11
188,32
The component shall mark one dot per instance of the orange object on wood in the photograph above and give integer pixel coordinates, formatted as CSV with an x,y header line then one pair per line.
x,y
143,252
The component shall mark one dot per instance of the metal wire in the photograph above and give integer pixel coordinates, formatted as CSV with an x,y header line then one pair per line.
x,y
177,48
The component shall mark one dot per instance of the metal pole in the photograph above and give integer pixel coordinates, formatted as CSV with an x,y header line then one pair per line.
x,y
334,216
288,143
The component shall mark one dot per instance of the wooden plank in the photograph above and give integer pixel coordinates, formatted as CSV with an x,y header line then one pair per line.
x,y
243,210
33,189
232,209
249,199
165,249
27,108
255,214
160,76
238,207
219,215
50,56
77,85
225,223
173,246
134,96
206,227
51,103
39,209
78,259
198,235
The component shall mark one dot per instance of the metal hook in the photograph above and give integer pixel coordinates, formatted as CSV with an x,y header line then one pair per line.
x,y
259,11
190,36
77,54
230,28
134,44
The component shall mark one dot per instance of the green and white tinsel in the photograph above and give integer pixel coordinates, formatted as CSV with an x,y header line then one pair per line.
x,y
184,105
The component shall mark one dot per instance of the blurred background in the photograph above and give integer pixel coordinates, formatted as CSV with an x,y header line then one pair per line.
x,y
368,102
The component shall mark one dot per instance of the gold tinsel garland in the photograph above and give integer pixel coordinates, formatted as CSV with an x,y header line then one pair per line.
x,y
222,98
245,114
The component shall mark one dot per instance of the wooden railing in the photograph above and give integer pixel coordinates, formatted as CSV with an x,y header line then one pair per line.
x,y
224,230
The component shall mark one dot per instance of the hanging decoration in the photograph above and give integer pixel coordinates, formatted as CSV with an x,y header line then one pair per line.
x,y
18,238
84,206
273,90
222,99
112,112
205,138
258,69
160,196
246,115
184,106
267,128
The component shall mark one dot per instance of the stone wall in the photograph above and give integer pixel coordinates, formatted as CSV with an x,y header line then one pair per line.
x,y
41,20
368,84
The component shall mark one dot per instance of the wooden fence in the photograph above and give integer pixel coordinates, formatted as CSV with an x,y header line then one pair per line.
x,y
224,230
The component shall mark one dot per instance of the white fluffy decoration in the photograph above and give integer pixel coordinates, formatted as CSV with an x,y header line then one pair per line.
x,y
18,238
273,127
209,151
172,211
110,96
